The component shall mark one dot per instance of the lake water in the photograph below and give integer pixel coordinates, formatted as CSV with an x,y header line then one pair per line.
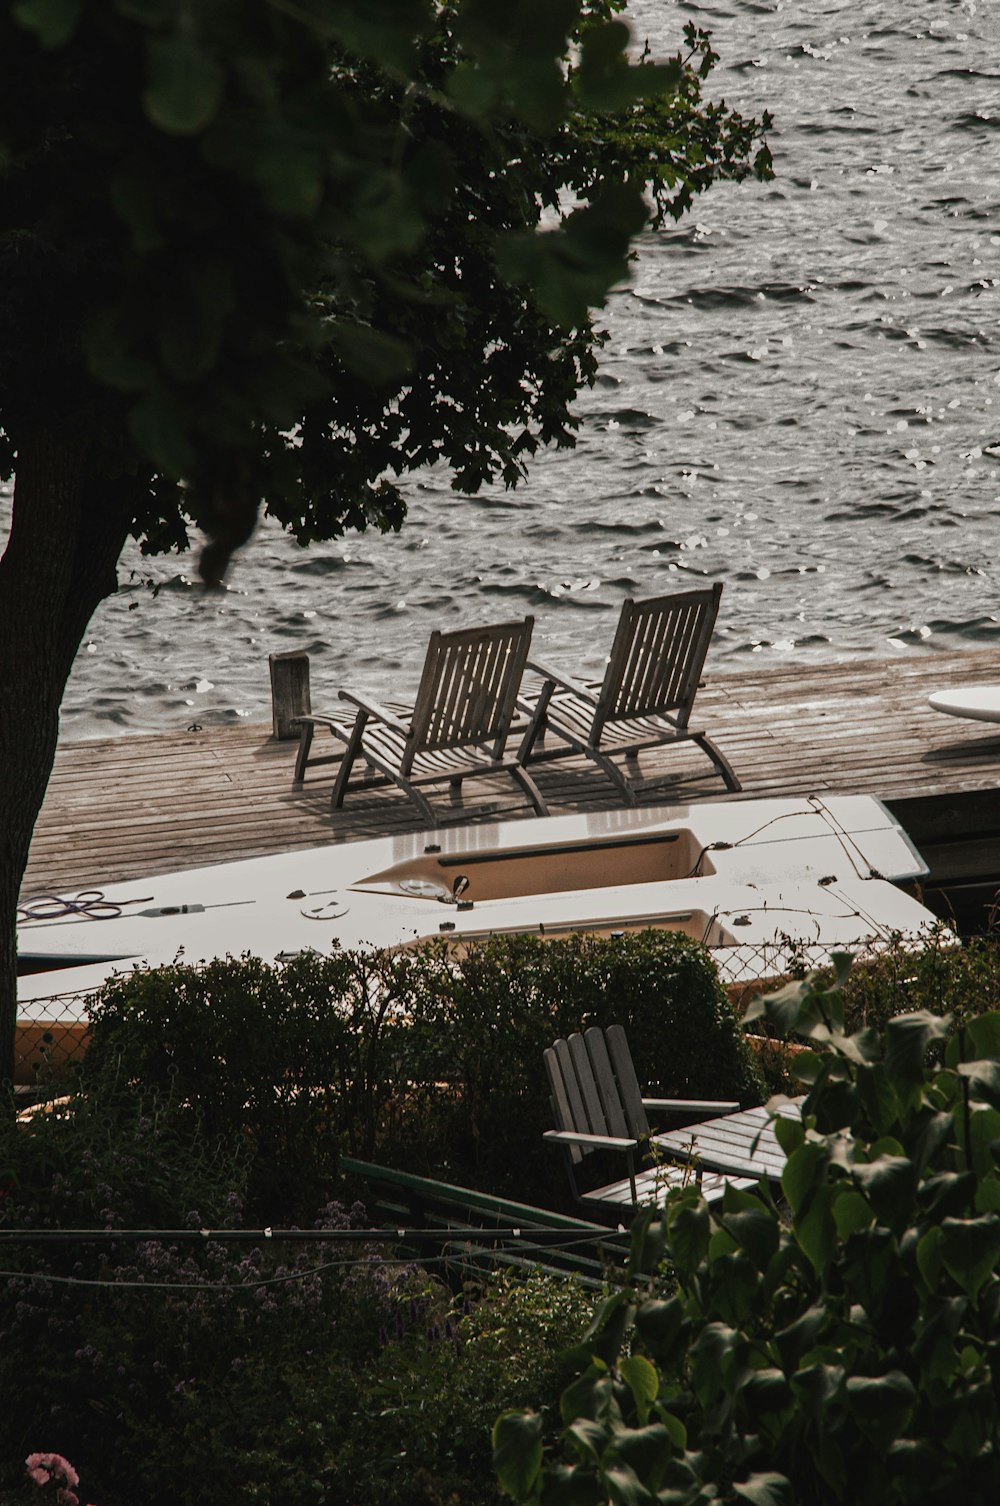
x,y
800,396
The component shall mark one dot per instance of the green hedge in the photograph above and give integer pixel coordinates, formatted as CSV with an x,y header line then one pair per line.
x,y
430,1061
196,1372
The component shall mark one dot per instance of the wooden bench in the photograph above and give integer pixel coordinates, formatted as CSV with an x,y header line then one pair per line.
x,y
490,1230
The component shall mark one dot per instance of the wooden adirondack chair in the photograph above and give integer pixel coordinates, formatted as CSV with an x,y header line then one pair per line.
x,y
598,1106
646,696
458,725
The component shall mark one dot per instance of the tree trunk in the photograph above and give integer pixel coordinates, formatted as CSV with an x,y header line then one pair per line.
x,y
69,527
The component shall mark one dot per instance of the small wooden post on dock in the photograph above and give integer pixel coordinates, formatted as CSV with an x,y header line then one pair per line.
x,y
289,691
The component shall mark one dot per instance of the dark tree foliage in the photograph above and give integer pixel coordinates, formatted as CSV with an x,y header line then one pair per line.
x,y
282,252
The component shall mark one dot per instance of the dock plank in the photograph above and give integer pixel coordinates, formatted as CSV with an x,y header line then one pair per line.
x,y
121,807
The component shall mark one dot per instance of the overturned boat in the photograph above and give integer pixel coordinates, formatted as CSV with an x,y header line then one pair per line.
x,y
760,882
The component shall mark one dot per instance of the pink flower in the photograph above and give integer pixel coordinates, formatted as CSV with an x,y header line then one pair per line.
x,y
41,1469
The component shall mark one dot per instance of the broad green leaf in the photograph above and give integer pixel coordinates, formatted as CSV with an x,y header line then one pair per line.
x,y
586,1397
765,1489
970,1248
851,1212
643,1381
53,21
184,85
985,1126
161,436
798,1338
815,1229
688,1228
375,356
658,1323
647,1451
590,1437
929,1258
804,1171
882,1404
934,1135
766,1390
384,31
889,1183
789,1133
624,1486
517,1451
983,1078
147,12
814,1386
907,1038
751,1223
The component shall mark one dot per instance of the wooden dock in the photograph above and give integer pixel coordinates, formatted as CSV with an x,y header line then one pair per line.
x,y
122,807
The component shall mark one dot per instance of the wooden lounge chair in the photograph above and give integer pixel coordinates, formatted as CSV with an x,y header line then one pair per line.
x,y
646,696
458,725
598,1106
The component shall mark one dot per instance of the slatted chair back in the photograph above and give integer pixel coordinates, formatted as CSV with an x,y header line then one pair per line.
x,y
468,688
657,658
594,1087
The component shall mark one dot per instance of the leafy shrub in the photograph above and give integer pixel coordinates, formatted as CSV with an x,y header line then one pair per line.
x,y
427,1059
847,1349
175,1352
421,1431
241,1371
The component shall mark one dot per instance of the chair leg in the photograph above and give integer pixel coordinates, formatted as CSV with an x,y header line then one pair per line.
x,y
530,788
302,757
537,723
720,760
347,762
615,774
423,805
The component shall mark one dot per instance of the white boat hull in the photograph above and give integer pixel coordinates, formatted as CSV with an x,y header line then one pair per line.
x,y
739,875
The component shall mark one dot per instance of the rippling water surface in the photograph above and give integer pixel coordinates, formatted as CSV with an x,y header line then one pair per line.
x,y
800,396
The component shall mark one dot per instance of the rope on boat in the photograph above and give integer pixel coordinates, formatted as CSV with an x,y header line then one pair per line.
x,y
91,903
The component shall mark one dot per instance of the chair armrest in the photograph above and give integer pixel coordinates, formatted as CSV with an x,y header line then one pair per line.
x,y
574,1137
376,709
317,719
707,1106
563,681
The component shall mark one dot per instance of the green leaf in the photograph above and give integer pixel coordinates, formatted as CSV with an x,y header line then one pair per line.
x,y
52,21
658,1323
374,356
804,1170
587,1396
161,436
624,1486
184,85
851,1212
907,1038
688,1229
766,1390
647,1451
815,1229
765,1489
753,1226
889,1183
969,1250
643,1381
881,1404
517,1452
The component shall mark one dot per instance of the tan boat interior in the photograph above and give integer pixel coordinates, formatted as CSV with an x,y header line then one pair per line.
x,y
698,924
512,873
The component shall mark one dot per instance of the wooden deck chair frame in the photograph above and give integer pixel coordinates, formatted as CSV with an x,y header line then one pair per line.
x,y
458,726
645,699
598,1105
